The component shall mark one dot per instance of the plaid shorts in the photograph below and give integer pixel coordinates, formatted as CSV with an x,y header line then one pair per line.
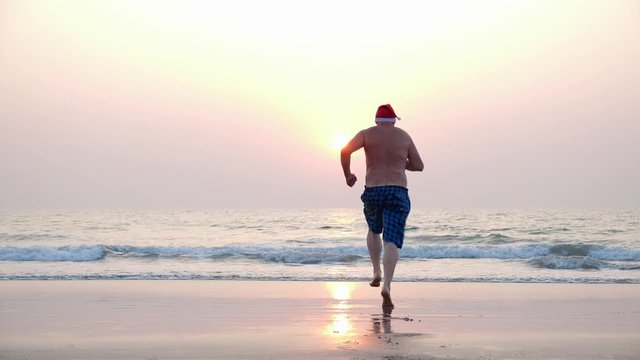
x,y
386,209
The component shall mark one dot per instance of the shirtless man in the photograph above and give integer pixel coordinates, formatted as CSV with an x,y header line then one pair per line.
x,y
389,152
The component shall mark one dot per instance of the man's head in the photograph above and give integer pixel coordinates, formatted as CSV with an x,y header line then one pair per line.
x,y
385,114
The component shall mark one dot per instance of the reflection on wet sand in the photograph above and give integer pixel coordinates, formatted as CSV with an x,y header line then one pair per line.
x,y
345,327
341,324
381,324
341,291
348,329
381,330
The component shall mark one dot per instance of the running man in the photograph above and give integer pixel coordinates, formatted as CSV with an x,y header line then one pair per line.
x,y
389,152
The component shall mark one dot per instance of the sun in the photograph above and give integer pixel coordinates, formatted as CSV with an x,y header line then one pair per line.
x,y
338,142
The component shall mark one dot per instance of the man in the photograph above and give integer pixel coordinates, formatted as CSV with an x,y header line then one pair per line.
x,y
389,152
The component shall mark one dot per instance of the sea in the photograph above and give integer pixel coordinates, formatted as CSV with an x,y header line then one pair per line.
x,y
530,246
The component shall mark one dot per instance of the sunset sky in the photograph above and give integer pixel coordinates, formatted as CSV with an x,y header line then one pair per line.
x,y
242,104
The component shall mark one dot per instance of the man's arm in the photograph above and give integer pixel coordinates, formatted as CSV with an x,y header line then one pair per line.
x,y
345,157
414,162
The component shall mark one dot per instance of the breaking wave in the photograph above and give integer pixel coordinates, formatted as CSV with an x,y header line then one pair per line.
x,y
64,253
566,256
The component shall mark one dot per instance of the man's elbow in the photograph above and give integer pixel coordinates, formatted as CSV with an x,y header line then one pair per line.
x,y
414,165
345,152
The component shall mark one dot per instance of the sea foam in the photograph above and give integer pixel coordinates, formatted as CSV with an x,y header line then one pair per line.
x,y
64,253
325,255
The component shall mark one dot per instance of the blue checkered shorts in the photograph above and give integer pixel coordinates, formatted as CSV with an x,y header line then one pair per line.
x,y
386,209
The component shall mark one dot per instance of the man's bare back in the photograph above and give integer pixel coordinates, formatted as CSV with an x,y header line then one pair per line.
x,y
389,152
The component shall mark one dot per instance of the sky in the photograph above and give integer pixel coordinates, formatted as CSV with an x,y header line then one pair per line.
x,y
245,104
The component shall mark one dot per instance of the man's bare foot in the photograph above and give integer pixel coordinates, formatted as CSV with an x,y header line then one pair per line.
x,y
386,299
376,281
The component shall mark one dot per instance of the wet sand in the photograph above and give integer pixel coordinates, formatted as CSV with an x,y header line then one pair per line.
x,y
294,320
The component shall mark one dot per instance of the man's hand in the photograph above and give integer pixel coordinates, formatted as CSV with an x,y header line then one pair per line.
x,y
351,179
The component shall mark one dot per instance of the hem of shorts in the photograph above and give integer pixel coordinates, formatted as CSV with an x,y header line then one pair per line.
x,y
393,242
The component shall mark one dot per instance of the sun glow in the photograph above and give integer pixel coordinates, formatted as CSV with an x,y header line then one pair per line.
x,y
338,142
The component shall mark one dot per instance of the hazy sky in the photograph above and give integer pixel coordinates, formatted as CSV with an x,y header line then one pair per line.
x,y
181,104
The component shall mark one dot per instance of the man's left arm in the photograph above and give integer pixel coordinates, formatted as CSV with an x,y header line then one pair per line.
x,y
345,157
414,162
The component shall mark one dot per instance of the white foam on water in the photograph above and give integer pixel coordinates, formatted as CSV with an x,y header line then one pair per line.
x,y
315,255
64,253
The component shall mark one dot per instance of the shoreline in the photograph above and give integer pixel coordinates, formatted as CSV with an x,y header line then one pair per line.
x,y
348,280
129,319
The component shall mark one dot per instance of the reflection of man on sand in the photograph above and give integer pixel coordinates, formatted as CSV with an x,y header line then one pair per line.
x,y
389,152
381,325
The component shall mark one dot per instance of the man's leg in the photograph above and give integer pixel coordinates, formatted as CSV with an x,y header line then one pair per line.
x,y
390,260
374,244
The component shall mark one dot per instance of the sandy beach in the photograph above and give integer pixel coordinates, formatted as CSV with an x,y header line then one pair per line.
x,y
295,320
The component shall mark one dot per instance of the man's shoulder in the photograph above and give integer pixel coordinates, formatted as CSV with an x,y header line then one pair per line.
x,y
402,133
368,130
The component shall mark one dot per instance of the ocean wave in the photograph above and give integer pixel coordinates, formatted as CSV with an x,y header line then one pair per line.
x,y
289,255
567,262
577,262
548,230
306,255
64,253
571,249
615,253
493,238
475,252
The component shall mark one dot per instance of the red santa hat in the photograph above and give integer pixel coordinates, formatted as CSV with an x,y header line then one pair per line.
x,y
385,113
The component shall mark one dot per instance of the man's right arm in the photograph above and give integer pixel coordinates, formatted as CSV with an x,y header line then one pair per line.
x,y
414,162
345,157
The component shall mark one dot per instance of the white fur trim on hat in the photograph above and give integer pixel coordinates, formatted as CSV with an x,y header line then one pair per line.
x,y
391,120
